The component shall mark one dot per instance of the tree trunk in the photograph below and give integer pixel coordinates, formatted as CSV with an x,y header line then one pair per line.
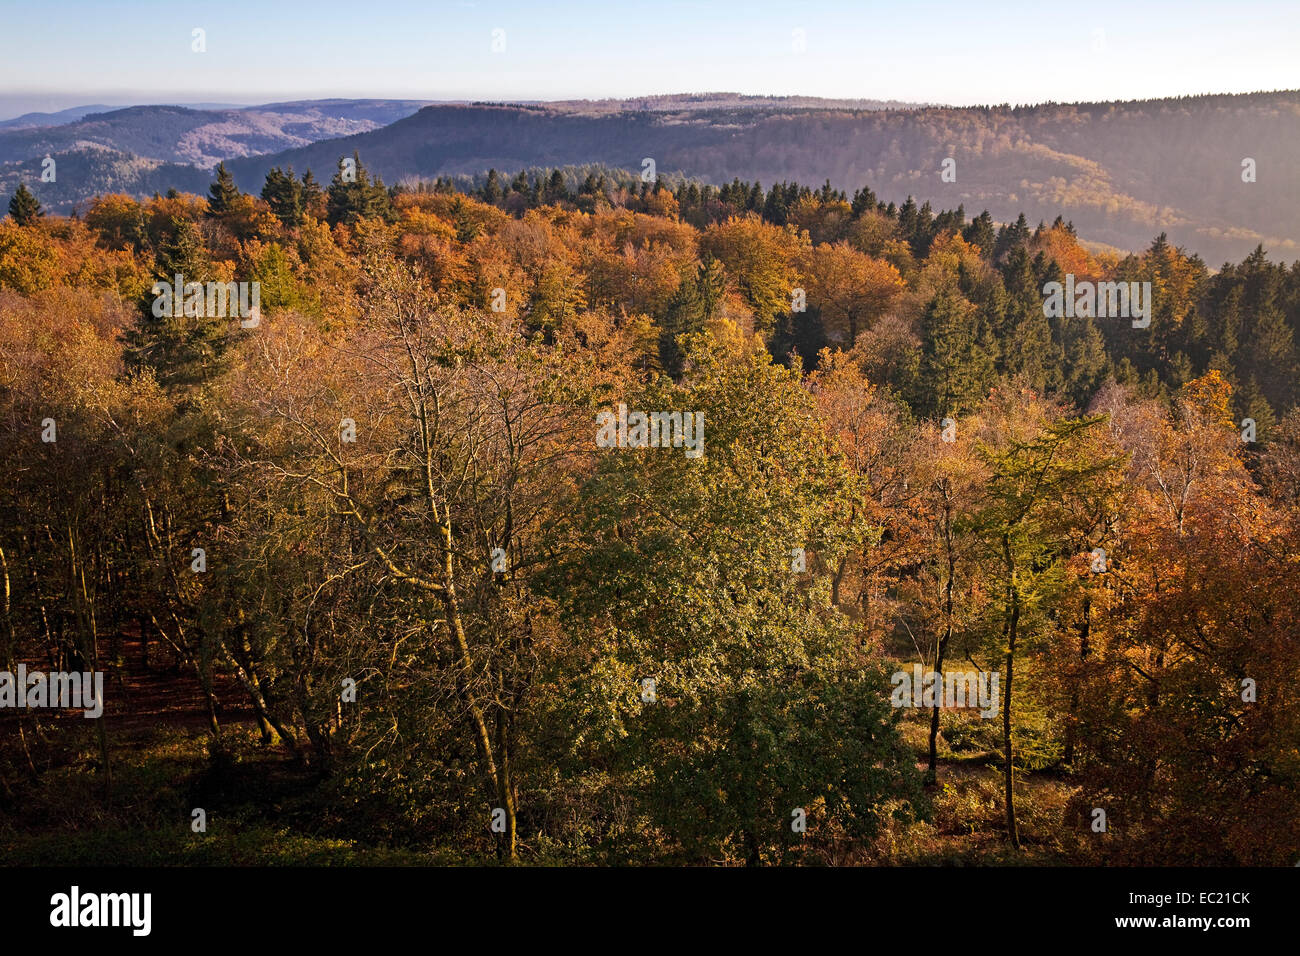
x,y
932,774
1013,623
498,775
1070,732
11,640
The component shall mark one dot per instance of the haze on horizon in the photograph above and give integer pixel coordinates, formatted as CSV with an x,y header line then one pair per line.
x,y
75,52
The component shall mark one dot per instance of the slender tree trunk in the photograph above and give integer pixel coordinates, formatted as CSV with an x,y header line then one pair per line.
x,y
203,665
933,773
1013,623
498,775
1070,730
11,642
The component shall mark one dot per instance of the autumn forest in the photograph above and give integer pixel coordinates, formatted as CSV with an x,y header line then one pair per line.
x,y
367,581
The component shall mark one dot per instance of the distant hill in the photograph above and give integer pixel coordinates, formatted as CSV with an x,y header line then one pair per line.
x,y
70,115
94,170
703,101
1123,172
179,134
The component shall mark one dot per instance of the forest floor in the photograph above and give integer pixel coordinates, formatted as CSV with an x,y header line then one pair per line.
x,y
263,807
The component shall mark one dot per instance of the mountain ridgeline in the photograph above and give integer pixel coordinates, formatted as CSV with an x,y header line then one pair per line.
x,y
1122,172
1214,173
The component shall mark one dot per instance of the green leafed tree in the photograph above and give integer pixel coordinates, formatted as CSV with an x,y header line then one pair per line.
x,y
712,576
1025,524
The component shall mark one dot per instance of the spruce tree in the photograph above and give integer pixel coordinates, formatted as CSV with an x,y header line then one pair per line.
x,y
775,209
1025,334
349,200
1086,362
696,300
311,194
492,189
283,194
181,349
379,202
1010,236
555,188
957,356
24,207
223,193
864,200
980,233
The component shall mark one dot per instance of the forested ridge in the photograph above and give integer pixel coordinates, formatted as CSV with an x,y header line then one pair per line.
x,y
1122,171
410,609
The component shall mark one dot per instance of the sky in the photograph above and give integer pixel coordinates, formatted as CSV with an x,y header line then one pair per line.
x,y
56,54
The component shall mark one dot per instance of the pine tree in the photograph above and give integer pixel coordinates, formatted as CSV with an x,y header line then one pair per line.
x,y
24,207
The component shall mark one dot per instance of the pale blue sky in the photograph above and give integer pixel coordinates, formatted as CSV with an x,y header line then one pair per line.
x,y
60,53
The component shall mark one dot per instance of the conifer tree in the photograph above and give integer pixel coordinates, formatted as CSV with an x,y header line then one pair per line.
x,y
556,190
1025,334
181,347
356,198
1010,236
492,188
957,357
223,193
980,233
284,194
24,207
864,200
312,195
